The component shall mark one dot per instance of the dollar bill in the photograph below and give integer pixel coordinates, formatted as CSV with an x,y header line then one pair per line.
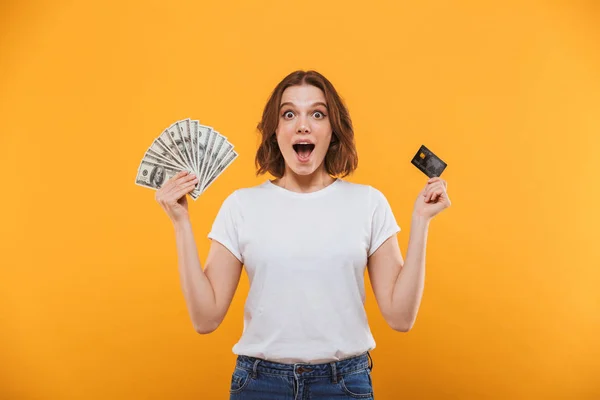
x,y
184,130
158,149
154,175
168,143
211,143
156,159
204,133
219,158
214,154
226,162
175,132
193,129
186,145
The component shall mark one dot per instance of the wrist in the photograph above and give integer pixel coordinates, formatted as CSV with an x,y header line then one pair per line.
x,y
420,219
182,224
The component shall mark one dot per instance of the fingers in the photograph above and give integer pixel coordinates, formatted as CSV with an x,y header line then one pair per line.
x,y
181,183
433,196
186,177
432,186
433,191
184,182
428,196
169,184
181,178
435,188
437,179
179,175
184,189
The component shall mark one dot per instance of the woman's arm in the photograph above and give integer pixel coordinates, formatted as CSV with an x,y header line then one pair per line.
x,y
398,285
207,293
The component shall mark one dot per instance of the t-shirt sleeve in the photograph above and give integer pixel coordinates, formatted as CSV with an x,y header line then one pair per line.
x,y
225,228
383,223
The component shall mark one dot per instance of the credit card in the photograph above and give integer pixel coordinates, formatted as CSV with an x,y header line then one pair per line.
x,y
430,164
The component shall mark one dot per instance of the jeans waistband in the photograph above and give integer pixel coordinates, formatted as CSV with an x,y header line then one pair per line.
x,y
307,370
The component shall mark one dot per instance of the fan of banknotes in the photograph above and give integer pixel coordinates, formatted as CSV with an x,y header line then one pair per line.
x,y
186,145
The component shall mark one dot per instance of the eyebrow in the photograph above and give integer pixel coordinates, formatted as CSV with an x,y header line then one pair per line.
x,y
314,104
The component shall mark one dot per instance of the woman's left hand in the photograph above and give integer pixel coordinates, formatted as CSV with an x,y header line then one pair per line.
x,y
432,199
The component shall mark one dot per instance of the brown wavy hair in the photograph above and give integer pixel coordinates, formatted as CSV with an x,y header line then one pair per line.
x,y
341,158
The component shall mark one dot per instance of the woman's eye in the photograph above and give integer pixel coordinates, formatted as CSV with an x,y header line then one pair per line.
x,y
321,115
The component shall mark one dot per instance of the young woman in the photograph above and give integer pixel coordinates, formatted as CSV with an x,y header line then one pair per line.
x,y
305,239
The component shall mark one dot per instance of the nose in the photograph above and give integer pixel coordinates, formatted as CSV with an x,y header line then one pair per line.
x,y
302,127
302,124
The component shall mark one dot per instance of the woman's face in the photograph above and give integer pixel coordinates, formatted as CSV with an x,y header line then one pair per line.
x,y
303,118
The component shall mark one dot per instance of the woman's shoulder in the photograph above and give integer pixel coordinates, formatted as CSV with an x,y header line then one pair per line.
x,y
247,191
364,193
356,188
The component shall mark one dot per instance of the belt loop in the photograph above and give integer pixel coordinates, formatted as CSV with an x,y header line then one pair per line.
x,y
333,372
254,368
371,367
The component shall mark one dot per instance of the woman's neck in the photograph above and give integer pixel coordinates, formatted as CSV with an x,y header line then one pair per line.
x,y
304,183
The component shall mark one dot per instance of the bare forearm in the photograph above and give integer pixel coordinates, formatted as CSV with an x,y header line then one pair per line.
x,y
408,290
197,290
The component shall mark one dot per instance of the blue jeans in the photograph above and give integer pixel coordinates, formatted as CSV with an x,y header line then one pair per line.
x,y
258,379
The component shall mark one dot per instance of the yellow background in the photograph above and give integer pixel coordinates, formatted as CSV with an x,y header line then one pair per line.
x,y
507,93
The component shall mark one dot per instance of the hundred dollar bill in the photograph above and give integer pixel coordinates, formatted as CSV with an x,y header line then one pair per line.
x,y
193,130
158,149
219,158
153,175
204,133
156,159
175,132
186,145
200,136
211,143
226,162
184,130
213,155
164,157
167,142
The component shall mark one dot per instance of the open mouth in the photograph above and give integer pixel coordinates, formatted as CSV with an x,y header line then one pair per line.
x,y
304,150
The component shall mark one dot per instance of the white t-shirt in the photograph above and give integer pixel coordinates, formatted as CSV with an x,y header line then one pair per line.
x,y
305,255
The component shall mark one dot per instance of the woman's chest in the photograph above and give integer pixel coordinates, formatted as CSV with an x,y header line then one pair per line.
x,y
328,235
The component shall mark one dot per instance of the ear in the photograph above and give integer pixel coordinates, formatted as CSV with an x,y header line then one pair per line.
x,y
334,140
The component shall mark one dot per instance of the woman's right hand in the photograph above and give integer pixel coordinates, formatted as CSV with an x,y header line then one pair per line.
x,y
171,196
